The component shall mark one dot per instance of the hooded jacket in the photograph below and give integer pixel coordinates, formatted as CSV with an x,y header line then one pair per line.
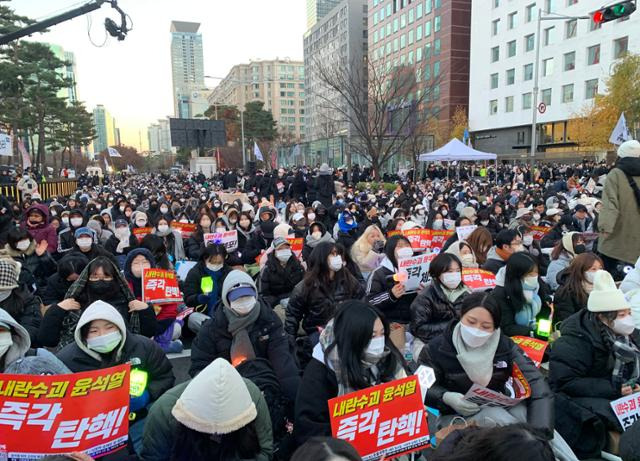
x,y
42,231
79,357
58,325
57,284
278,281
66,237
35,269
310,243
431,312
21,341
266,335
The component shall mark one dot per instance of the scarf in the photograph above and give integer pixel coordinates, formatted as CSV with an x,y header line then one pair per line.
x,y
454,294
526,316
309,240
504,255
626,355
241,346
477,362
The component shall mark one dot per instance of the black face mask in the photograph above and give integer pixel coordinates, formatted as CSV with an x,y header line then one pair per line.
x,y
101,287
579,249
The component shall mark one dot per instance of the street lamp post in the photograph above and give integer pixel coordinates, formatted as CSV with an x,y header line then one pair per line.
x,y
536,78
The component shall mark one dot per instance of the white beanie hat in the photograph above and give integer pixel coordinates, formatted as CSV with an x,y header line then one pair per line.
x,y
629,148
605,296
216,401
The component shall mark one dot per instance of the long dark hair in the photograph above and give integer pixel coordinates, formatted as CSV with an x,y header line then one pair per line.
x,y
352,328
87,297
318,272
156,245
518,265
190,444
440,265
390,248
573,286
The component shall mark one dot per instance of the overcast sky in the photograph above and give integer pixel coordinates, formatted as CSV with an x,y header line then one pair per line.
x,y
133,78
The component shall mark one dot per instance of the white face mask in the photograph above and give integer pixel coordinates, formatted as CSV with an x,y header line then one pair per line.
x,y
76,222
473,337
527,240
6,341
404,252
317,235
164,209
122,232
589,276
184,221
84,242
283,255
65,220
214,267
437,224
141,222
451,280
311,216
220,230
376,346
467,260
105,343
484,222
335,263
624,326
163,228
23,245
243,305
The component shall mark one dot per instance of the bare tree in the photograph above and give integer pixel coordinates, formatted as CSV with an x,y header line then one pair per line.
x,y
385,107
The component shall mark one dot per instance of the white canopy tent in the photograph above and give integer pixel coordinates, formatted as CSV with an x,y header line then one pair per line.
x,y
456,151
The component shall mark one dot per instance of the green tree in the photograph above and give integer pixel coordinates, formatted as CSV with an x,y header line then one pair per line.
x,y
259,124
231,117
624,88
71,129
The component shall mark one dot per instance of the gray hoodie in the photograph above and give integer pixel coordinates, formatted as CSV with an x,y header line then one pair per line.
x,y
100,310
20,337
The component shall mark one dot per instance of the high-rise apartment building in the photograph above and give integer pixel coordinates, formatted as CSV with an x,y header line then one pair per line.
x,y
105,126
318,9
279,83
68,71
576,58
159,137
187,66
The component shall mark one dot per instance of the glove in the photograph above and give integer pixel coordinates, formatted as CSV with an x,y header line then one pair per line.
x,y
463,407
136,403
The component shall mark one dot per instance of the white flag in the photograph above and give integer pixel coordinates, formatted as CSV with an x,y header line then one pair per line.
x,y
106,165
256,152
620,133
26,158
113,152
6,145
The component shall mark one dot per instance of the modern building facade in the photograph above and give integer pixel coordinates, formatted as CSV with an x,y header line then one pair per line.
x,y
159,137
105,126
279,83
337,41
318,9
187,68
576,57
67,71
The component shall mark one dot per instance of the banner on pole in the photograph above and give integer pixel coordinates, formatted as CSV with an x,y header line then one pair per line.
x,y
113,152
43,415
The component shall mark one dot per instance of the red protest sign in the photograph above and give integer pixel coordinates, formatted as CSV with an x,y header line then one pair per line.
x,y
86,411
424,239
384,421
185,229
160,286
142,232
478,279
439,238
532,347
296,245
539,232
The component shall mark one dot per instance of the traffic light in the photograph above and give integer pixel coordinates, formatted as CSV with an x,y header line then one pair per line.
x,y
613,12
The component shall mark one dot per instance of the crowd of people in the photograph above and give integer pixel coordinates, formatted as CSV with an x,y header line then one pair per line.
x,y
275,333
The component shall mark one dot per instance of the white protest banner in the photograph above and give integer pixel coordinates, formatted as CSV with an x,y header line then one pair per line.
x,y
627,410
417,270
620,133
229,239
6,145
464,231
490,398
449,223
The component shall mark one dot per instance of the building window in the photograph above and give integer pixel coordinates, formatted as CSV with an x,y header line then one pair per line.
x,y
495,53
496,3
571,2
395,45
569,61
520,138
419,11
493,107
437,4
436,47
528,12
511,20
410,37
511,76
547,67
427,28
403,21
546,96
528,72
436,24
529,42
593,55
508,104
418,33
427,6
620,47
567,93
403,41
511,49
591,88
436,68
494,27
411,16
571,28
427,51
526,100
494,81
418,56
547,37
594,26
395,25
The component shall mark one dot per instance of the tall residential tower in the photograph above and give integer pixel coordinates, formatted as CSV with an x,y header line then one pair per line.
x,y
187,66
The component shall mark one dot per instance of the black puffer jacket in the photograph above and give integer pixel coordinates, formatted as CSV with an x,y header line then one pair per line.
x,y
379,294
431,312
267,337
314,307
25,309
56,288
509,309
277,282
581,362
441,355
565,304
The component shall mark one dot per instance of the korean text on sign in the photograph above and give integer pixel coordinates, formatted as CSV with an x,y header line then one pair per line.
x,y
532,347
627,410
57,414
229,239
186,229
160,286
142,232
387,420
417,269
296,246
478,279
